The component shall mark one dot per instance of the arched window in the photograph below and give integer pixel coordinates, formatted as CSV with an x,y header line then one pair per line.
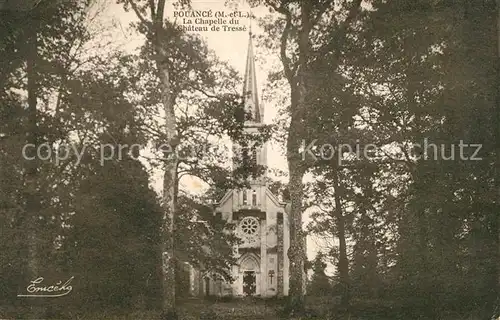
x,y
207,286
245,200
254,198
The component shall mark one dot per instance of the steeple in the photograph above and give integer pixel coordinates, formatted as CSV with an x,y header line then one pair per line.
x,y
253,123
252,105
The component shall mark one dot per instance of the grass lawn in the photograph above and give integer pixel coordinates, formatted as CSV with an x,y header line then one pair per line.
x,y
243,309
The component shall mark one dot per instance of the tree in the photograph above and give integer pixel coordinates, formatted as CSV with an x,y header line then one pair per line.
x,y
160,34
196,89
320,283
329,221
110,238
301,48
401,211
30,71
439,95
497,122
100,100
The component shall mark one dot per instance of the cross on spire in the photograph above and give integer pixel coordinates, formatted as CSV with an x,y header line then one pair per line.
x,y
250,23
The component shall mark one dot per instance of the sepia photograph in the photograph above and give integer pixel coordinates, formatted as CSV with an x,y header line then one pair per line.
x,y
250,159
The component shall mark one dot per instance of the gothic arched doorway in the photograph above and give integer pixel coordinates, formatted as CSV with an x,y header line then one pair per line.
x,y
250,273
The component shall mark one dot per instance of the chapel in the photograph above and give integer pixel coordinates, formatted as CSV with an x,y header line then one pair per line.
x,y
259,217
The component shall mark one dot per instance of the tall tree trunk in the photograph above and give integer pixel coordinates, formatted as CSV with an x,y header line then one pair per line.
x,y
498,152
296,165
169,187
297,74
296,252
343,264
168,243
171,162
31,167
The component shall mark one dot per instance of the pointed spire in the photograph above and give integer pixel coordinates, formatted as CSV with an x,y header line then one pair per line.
x,y
250,23
250,83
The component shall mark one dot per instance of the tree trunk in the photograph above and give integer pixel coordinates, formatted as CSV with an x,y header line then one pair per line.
x,y
296,252
31,167
167,244
296,166
171,162
169,188
343,264
498,152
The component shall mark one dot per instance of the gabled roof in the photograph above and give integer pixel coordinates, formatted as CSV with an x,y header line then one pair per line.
x,y
269,194
226,197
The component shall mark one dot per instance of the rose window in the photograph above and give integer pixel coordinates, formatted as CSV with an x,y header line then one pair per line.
x,y
249,227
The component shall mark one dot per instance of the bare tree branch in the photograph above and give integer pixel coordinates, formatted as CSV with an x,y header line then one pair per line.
x,y
289,72
137,11
152,8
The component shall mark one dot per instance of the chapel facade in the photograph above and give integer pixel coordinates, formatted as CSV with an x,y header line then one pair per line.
x,y
259,217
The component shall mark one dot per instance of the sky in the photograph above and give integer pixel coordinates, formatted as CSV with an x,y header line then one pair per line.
x,y
230,46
